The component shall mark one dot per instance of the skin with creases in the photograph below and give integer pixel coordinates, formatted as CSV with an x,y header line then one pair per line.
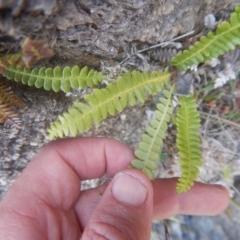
x,y
45,202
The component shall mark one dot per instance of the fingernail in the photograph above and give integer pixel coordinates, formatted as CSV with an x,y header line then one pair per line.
x,y
128,189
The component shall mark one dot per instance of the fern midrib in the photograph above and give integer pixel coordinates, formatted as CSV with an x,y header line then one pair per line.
x,y
188,139
45,77
159,126
206,45
92,109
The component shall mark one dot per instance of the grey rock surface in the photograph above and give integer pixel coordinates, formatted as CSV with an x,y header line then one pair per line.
x,y
90,31
199,228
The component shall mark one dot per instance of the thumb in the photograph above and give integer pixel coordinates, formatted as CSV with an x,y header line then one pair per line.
x,y
125,210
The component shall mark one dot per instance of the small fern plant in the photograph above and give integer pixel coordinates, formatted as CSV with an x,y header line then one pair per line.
x,y
130,88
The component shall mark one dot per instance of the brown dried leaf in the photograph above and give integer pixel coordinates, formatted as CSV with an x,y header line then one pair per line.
x,y
225,109
34,50
211,104
170,173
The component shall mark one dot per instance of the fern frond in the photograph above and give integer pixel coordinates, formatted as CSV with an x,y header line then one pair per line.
x,y
8,97
114,98
55,78
13,122
11,59
6,113
188,142
224,39
164,54
149,148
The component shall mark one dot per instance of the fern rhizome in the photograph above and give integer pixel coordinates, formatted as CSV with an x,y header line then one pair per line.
x,y
129,88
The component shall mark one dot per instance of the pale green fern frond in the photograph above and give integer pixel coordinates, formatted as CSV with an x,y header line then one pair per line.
x,y
224,39
149,148
188,142
103,102
55,78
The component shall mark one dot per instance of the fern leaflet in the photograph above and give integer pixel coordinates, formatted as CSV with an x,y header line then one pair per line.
x,y
55,78
188,142
225,38
150,147
115,97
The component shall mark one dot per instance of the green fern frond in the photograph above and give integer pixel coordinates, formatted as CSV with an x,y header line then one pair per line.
x,y
114,98
188,142
55,78
224,39
149,150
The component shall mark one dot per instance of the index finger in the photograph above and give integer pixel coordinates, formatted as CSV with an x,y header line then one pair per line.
x,y
90,157
55,173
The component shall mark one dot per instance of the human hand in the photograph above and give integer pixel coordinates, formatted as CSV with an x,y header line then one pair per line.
x,y
45,202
